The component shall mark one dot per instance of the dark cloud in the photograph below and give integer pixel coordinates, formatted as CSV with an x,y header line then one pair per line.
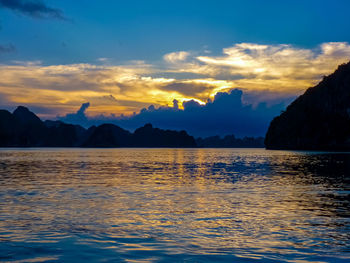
x,y
33,8
226,114
110,98
79,117
270,97
7,48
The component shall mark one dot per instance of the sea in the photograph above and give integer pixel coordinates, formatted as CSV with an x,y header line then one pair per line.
x,y
173,205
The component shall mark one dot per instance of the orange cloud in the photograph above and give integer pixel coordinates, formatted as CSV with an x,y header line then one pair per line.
x,y
282,69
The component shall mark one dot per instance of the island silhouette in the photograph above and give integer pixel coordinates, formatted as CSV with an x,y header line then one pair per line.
x,y
317,120
23,128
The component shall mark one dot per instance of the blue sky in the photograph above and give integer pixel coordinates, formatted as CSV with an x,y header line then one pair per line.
x,y
145,30
125,56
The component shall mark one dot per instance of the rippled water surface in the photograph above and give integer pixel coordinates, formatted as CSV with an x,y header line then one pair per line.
x,y
173,205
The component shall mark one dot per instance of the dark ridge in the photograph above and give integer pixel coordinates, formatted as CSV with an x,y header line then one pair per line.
x,y
8,128
23,128
26,117
108,135
317,120
147,136
30,129
59,134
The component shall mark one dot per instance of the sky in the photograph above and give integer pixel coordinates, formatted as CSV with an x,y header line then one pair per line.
x,y
130,60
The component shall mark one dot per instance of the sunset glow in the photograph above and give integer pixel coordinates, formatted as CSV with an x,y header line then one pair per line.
x,y
281,70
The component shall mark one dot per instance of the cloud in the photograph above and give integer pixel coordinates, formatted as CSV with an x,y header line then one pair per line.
x,y
226,114
83,108
79,117
67,85
265,73
33,8
7,48
175,57
190,89
270,62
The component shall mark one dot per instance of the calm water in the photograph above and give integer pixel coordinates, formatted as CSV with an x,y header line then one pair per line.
x,y
173,205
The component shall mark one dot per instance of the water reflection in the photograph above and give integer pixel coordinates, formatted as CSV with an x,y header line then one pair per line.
x,y
174,205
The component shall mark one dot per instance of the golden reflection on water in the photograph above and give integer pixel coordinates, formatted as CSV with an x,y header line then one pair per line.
x,y
230,202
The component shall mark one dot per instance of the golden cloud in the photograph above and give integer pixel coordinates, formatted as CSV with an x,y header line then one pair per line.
x,y
282,69
175,57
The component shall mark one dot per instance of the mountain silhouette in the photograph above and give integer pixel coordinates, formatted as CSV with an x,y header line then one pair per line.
x,y
108,135
317,120
23,128
59,134
147,136
8,128
26,117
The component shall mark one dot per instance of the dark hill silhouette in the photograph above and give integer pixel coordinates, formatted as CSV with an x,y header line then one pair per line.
x,y
108,135
26,117
23,128
317,120
8,128
147,136
59,134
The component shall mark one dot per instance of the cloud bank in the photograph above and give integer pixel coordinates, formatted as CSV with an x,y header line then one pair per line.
x,y
33,8
226,114
264,73
275,61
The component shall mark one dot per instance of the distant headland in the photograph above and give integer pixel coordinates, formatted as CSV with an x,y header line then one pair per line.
x,y
23,128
